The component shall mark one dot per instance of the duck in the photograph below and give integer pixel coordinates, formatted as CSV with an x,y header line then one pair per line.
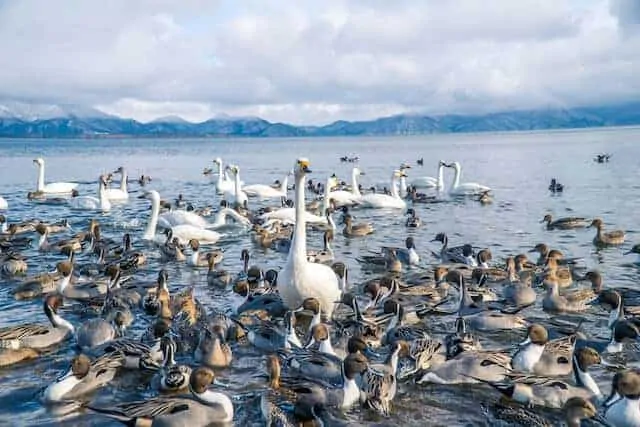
x,y
625,412
356,230
555,186
84,376
216,277
634,250
53,188
172,377
201,407
566,223
300,279
555,303
407,255
459,254
615,237
94,332
553,393
412,219
213,350
530,350
202,260
326,254
37,336
379,386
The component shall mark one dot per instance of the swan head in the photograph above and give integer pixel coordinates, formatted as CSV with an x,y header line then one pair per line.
x,y
234,169
302,167
455,165
358,172
39,161
399,174
119,170
150,195
405,165
217,161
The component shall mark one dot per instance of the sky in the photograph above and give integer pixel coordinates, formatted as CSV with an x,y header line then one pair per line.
x,y
317,61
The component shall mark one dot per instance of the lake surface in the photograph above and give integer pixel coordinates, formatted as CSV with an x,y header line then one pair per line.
x,y
517,166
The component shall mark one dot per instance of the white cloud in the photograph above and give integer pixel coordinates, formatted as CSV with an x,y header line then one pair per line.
x,y
318,61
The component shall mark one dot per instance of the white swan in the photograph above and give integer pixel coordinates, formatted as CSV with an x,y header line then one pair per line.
x,y
238,195
119,194
223,214
100,203
376,200
342,197
466,188
3,203
300,279
223,184
184,232
430,182
54,187
182,217
263,191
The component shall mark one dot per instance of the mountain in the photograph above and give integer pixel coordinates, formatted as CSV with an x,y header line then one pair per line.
x,y
30,112
76,122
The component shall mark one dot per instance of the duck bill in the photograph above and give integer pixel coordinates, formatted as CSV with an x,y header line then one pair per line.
x,y
525,342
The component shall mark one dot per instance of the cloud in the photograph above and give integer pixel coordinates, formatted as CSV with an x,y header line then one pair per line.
x,y
318,61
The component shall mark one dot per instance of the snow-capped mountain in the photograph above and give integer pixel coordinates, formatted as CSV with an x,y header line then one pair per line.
x,y
32,112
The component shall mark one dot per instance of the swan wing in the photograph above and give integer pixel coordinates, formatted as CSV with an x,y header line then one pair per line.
x,y
424,182
261,190
84,202
60,187
186,232
175,218
381,201
3,203
116,194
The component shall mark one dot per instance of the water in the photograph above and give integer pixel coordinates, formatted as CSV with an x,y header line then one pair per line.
x,y
518,166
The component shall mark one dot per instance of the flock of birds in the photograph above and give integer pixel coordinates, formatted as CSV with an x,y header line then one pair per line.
x,y
329,345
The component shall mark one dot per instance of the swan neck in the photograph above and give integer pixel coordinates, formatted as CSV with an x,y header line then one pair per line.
x,y
440,183
354,184
237,188
40,177
456,179
123,181
394,187
153,221
299,244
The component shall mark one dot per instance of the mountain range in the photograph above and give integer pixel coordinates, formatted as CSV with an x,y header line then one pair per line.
x,y
68,121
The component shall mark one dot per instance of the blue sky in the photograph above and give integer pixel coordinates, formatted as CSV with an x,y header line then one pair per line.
x,y
318,61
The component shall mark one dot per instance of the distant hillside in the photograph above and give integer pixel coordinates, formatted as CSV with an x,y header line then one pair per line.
x,y
93,124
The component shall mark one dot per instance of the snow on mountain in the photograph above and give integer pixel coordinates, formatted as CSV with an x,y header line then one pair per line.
x,y
32,112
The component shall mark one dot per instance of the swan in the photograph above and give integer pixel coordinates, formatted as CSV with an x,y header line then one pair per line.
x,y
54,187
342,197
3,203
183,232
376,200
466,188
237,194
182,217
117,194
223,184
430,182
221,218
266,191
100,203
300,279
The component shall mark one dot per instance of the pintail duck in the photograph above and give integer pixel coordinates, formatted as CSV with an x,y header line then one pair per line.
x,y
562,276
555,186
379,385
311,305
545,253
319,334
565,223
267,336
202,260
550,392
95,332
12,264
530,350
326,367
408,254
378,290
84,376
356,230
459,254
625,412
555,303
412,221
396,329
326,254
37,336
575,411
57,246
201,407
171,250
556,356
213,350
615,237
172,377
217,277
41,284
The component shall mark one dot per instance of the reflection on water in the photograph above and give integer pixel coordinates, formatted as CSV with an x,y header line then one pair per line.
x,y
518,167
